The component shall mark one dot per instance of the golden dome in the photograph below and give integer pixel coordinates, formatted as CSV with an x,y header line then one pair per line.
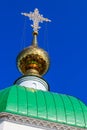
x,y
33,61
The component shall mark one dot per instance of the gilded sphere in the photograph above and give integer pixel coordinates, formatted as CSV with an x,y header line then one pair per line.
x,y
33,60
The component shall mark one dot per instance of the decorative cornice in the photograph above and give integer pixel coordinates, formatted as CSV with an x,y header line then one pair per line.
x,y
36,122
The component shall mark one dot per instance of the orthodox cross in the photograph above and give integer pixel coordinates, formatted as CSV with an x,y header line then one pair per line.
x,y
36,17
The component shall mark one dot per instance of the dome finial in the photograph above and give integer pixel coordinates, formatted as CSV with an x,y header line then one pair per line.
x,y
36,17
34,42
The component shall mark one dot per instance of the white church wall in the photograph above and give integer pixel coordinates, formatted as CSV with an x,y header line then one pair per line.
x,y
5,125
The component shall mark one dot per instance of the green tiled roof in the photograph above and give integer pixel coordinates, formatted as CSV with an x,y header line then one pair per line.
x,y
48,106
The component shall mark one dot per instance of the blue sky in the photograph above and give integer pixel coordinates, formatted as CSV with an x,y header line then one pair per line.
x,y
65,39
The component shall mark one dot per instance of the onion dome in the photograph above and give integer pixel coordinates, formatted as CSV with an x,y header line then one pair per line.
x,y
33,60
